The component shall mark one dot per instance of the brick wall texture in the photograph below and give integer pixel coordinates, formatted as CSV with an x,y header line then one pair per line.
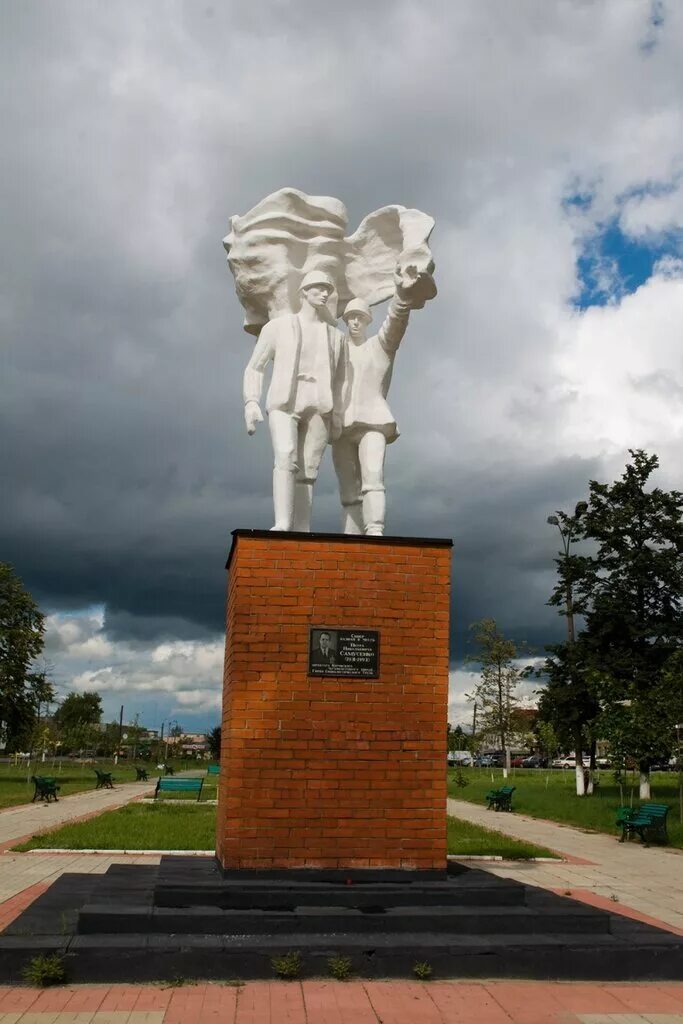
x,y
334,773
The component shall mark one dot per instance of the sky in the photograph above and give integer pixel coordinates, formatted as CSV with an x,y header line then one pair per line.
x,y
545,137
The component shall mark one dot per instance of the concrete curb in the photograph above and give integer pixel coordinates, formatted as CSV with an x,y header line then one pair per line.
x,y
211,853
130,853
514,860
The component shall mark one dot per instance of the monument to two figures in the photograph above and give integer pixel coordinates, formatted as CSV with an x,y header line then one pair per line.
x,y
296,273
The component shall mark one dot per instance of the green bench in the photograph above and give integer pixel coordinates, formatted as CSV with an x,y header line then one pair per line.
x,y
500,799
141,774
179,786
213,769
104,780
647,821
45,788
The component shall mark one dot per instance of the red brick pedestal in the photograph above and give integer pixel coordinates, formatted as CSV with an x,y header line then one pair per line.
x,y
334,773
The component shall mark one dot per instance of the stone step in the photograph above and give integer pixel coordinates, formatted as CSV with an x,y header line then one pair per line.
x,y
101,918
248,896
137,958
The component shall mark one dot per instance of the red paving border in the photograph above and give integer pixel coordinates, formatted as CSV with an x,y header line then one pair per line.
x,y
615,907
356,1002
16,905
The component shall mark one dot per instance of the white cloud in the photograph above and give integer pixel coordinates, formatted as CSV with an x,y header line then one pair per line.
x,y
181,675
649,215
621,374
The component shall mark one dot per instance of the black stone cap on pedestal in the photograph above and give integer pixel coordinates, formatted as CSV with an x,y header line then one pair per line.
x,y
340,538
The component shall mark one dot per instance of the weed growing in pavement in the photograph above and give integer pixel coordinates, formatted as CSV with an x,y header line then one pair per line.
x,y
339,967
287,966
42,971
423,970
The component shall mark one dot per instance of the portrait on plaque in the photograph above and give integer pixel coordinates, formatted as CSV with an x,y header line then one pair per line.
x,y
343,652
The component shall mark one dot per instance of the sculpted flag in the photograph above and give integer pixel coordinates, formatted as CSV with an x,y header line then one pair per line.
x,y
288,233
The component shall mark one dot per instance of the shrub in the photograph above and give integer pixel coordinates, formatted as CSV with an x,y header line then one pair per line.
x,y
287,966
42,971
340,967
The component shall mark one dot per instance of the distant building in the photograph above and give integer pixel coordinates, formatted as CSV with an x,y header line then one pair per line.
x,y
189,744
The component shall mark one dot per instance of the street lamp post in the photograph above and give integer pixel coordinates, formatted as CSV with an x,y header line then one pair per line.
x,y
679,758
567,526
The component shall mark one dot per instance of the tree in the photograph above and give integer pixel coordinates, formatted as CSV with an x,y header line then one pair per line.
x,y
568,702
78,718
548,741
629,591
632,590
22,689
213,738
495,691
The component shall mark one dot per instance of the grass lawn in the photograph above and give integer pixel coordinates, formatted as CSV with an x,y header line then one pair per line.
x,y
193,827
136,827
551,795
467,840
75,777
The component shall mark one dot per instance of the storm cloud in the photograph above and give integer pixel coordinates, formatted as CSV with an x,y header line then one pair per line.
x,y
133,131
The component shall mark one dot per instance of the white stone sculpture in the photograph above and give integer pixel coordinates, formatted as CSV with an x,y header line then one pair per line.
x,y
368,425
295,272
304,401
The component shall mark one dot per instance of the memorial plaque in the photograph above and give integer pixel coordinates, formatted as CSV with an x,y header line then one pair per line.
x,y
343,652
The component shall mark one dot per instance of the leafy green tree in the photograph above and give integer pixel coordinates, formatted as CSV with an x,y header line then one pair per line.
x,y
568,703
615,678
499,679
78,718
631,591
22,688
547,738
213,738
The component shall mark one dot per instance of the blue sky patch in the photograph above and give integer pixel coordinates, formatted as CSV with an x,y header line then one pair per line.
x,y
614,264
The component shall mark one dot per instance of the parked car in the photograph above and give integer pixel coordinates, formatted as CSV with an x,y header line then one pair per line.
x,y
489,761
459,757
517,762
568,762
535,761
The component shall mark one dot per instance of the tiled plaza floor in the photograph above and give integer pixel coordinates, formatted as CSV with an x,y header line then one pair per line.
x,y
352,1002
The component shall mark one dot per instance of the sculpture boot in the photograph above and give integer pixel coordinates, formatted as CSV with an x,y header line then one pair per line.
x,y
283,499
374,511
352,518
303,502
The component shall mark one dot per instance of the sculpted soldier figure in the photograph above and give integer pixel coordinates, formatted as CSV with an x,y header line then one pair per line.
x,y
368,424
323,380
304,401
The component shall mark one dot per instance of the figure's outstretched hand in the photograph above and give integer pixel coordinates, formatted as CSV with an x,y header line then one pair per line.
x,y
252,416
414,278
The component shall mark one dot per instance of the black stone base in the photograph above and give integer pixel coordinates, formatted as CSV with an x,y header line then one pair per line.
x,y
185,919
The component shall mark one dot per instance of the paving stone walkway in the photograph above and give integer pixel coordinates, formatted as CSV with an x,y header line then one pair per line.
x,y
649,881
352,1002
28,819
